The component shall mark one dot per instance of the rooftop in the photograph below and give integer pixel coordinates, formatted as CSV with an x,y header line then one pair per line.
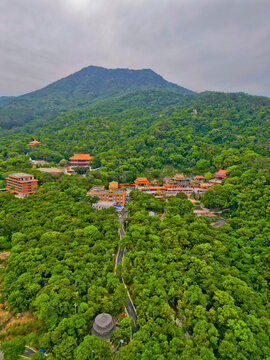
x,y
113,183
97,188
100,188
142,179
179,177
80,157
34,142
103,325
20,174
220,173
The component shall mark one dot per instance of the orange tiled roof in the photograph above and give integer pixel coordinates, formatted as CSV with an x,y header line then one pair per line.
x,y
221,173
179,177
113,185
142,179
80,157
34,142
199,177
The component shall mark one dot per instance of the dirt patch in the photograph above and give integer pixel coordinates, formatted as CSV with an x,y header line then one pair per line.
x,y
4,255
5,316
19,319
9,322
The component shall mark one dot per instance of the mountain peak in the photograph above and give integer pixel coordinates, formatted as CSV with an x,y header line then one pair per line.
x,y
80,89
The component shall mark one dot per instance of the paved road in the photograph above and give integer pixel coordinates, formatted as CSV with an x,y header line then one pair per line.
x,y
131,311
219,223
28,352
120,256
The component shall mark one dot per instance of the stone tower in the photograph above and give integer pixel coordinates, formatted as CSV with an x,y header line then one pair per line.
x,y
103,326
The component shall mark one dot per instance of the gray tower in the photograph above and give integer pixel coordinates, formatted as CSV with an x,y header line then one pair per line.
x,y
103,326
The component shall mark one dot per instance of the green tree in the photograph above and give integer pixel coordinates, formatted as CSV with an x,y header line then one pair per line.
x,y
37,356
93,348
13,348
63,163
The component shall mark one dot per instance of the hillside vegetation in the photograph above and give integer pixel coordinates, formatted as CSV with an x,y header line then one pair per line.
x,y
153,131
89,85
199,292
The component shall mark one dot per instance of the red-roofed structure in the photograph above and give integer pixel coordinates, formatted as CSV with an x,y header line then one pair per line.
x,y
221,174
180,179
113,185
141,181
33,143
199,177
80,160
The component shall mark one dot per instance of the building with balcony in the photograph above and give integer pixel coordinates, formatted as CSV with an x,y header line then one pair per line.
x,y
80,160
21,184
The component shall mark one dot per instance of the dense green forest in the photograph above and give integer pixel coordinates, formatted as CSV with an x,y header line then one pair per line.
x,y
200,292
62,254
152,130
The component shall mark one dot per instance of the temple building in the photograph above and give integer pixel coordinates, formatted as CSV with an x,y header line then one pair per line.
x,y
103,326
199,178
141,181
180,180
80,160
221,174
33,143
114,194
21,184
113,185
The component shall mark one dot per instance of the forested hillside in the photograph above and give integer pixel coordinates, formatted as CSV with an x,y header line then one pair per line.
x,y
153,132
199,292
89,85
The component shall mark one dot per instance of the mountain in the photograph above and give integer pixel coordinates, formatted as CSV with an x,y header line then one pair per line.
x,y
5,98
87,86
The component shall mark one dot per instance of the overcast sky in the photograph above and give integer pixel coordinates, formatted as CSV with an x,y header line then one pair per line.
x,y
221,45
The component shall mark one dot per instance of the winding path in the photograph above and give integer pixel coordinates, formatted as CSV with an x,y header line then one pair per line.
x,y
130,308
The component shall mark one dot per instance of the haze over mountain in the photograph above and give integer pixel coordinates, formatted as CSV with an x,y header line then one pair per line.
x,y
89,85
